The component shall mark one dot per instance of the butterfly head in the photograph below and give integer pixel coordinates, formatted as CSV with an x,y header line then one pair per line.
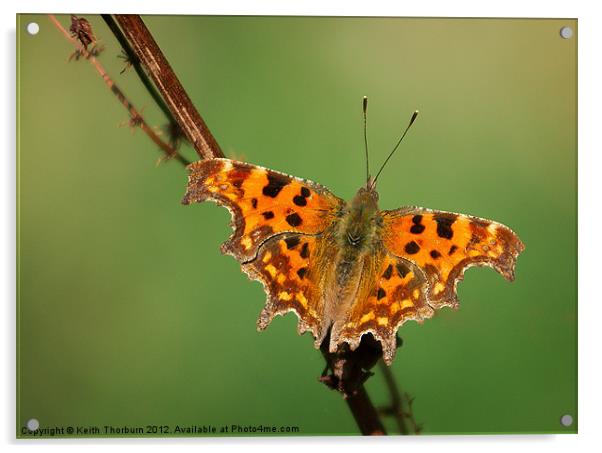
x,y
366,196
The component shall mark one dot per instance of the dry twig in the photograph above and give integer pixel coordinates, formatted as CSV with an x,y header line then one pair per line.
x,y
136,119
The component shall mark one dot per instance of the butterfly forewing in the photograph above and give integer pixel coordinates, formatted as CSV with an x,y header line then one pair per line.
x,y
445,244
263,202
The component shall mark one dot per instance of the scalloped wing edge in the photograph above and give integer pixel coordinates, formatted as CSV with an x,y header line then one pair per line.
x,y
269,310
388,342
196,193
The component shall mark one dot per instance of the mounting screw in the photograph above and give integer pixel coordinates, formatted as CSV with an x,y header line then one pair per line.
x,y
33,424
566,420
566,32
33,28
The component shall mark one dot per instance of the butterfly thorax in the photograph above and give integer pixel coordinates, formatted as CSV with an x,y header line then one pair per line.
x,y
357,235
360,222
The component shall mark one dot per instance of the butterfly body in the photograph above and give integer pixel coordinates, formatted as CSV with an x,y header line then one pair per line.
x,y
346,268
357,235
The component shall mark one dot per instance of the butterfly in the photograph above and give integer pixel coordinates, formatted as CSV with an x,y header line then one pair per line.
x,y
346,268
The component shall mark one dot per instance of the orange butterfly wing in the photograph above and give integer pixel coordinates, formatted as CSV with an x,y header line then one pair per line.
x,y
424,255
263,202
293,269
282,228
445,244
392,291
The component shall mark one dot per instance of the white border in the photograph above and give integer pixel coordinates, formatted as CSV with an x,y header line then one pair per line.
x,y
458,8
590,222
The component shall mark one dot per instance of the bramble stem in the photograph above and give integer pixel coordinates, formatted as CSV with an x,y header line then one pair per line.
x,y
166,81
346,371
365,414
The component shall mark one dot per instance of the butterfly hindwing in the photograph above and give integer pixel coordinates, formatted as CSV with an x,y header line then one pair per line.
x,y
263,202
445,244
392,291
424,254
292,268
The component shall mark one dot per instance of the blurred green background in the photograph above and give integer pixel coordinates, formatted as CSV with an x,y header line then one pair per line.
x,y
128,313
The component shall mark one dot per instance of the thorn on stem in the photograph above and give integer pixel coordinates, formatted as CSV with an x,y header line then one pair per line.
x,y
164,158
95,51
175,134
135,120
128,60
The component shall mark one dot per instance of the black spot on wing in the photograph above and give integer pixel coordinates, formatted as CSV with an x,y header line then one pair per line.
x,y
254,203
305,250
381,293
388,272
292,242
412,248
402,269
417,229
444,225
275,184
268,215
435,254
299,200
452,249
301,272
294,219
305,192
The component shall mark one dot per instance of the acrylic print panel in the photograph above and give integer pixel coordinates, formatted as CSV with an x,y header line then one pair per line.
x,y
131,322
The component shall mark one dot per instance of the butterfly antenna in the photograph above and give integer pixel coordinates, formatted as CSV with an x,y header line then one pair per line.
x,y
365,109
414,115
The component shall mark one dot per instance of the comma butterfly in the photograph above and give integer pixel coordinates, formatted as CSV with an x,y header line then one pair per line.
x,y
347,268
